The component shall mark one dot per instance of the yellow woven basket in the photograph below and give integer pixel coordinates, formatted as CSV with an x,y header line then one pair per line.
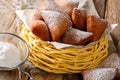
x,y
71,60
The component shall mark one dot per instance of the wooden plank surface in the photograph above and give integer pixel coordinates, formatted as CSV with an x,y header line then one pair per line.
x,y
112,14
9,23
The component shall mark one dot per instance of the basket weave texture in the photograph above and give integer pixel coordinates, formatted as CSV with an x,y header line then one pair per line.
x,y
70,60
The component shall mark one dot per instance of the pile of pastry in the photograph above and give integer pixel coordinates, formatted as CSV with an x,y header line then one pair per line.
x,y
55,20
109,69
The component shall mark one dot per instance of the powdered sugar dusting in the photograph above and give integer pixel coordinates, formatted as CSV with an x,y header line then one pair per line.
x,y
78,35
112,61
50,17
57,23
72,2
52,6
53,18
68,5
100,74
9,55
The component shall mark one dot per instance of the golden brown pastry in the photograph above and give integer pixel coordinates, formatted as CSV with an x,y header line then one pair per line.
x,y
79,18
100,74
37,15
96,26
77,37
40,29
67,5
58,24
51,6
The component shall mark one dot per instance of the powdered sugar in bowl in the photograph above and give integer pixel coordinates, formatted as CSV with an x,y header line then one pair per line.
x,y
13,51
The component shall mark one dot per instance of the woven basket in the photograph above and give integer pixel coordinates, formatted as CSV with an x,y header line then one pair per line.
x,y
71,60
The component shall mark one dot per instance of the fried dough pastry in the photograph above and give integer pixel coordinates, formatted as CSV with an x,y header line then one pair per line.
x,y
58,24
67,5
100,74
79,18
112,61
96,25
37,15
40,29
51,6
77,37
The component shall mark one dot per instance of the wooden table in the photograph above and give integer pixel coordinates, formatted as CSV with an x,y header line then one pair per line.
x,y
9,23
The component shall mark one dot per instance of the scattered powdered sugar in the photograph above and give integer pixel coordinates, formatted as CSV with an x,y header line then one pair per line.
x,y
52,6
50,17
100,74
112,61
54,18
68,5
9,55
78,35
